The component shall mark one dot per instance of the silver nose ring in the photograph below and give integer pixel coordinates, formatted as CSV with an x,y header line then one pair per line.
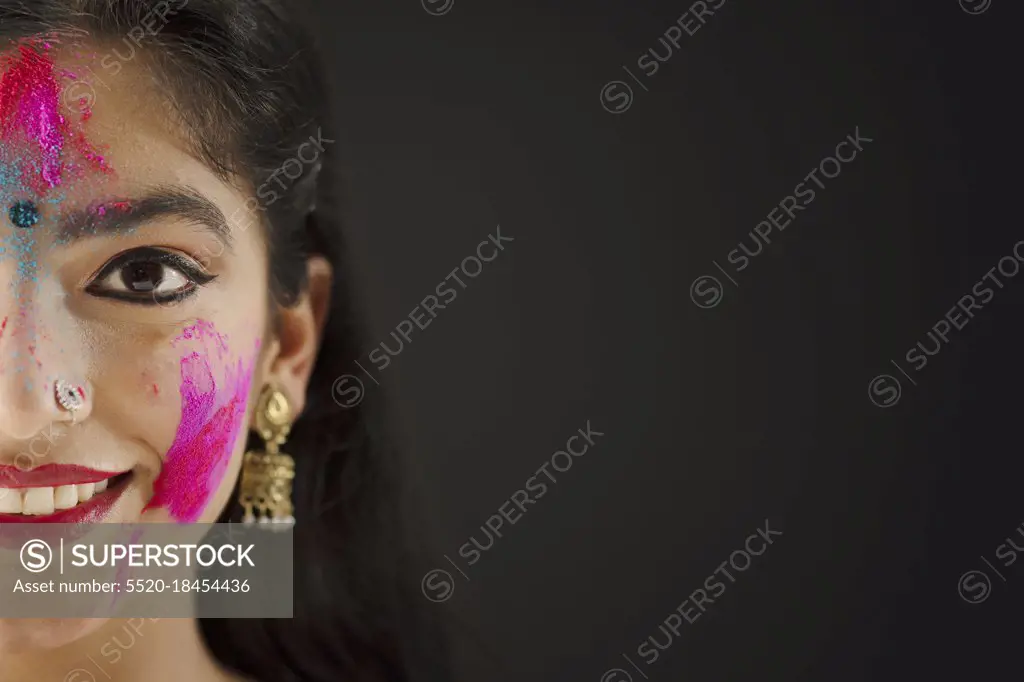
x,y
70,397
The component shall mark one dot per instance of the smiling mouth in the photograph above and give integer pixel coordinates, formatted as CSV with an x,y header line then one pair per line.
x,y
74,494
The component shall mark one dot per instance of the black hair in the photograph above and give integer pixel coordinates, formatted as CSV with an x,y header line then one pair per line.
x,y
244,80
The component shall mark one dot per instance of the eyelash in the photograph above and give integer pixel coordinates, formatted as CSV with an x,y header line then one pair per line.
x,y
193,272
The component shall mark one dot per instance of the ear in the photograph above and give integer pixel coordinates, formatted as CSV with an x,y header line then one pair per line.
x,y
293,352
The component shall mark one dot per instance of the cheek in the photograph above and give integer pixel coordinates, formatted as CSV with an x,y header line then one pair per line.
x,y
150,386
213,411
212,419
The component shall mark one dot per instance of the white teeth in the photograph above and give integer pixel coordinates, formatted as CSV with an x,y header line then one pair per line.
x,y
85,491
65,497
10,501
38,501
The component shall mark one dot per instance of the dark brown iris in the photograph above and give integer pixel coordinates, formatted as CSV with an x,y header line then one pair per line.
x,y
143,277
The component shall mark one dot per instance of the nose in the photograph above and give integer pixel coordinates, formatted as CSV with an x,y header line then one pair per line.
x,y
36,365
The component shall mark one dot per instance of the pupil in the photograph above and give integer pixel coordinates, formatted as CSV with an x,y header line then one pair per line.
x,y
143,276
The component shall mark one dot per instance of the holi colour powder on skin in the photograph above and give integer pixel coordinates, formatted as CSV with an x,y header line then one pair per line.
x,y
34,133
29,106
42,155
211,420
41,150
23,340
84,222
203,330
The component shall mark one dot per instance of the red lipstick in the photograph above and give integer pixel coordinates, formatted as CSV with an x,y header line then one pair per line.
x,y
92,511
51,475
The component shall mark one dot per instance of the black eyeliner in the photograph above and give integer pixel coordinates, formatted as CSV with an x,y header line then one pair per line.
x,y
148,254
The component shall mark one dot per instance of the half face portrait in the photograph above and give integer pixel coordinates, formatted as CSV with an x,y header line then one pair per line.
x,y
176,308
173,312
138,329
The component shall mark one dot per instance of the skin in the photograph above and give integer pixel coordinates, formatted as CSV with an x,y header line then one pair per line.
x,y
129,360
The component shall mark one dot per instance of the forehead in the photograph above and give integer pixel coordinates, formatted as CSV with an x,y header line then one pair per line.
x,y
73,129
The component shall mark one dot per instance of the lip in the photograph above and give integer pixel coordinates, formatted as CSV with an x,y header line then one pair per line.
x,y
66,524
92,511
51,475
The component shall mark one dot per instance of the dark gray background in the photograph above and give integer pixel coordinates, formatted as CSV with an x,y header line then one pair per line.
x,y
715,419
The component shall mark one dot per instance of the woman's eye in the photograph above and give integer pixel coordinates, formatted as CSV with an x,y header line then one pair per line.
x,y
149,277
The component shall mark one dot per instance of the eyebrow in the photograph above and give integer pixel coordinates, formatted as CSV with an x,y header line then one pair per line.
x,y
121,215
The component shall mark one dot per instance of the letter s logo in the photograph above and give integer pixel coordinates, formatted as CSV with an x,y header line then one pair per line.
x,y
616,97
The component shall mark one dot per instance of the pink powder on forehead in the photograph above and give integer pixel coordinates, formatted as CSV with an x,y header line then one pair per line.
x,y
29,102
211,420
31,120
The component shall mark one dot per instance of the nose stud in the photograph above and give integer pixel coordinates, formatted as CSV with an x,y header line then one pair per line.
x,y
24,214
70,397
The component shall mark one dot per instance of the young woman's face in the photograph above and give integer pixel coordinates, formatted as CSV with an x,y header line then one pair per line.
x,y
130,271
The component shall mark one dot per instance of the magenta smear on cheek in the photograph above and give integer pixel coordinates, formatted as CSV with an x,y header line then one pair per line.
x,y
203,330
211,421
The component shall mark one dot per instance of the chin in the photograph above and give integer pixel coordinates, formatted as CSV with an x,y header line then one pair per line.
x,y
23,635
